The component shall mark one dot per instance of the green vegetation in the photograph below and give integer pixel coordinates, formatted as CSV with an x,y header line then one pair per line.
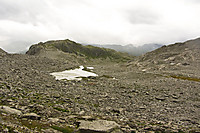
x,y
185,78
60,109
96,105
63,130
33,124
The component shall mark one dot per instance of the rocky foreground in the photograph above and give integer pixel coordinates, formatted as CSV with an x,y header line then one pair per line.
x,y
126,97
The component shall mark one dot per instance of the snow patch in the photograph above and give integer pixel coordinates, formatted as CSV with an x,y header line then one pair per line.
x,y
75,74
91,68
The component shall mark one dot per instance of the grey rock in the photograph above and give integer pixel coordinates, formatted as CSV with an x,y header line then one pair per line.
x,y
97,126
82,112
160,98
87,118
50,131
53,120
6,130
32,116
9,110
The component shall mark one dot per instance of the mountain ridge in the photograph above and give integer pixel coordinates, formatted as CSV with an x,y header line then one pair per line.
x,y
72,48
130,49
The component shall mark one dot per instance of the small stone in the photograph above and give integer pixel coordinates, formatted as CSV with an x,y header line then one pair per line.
x,y
87,118
185,64
176,101
9,100
56,95
6,130
72,116
82,112
32,116
53,120
160,98
142,107
175,96
116,111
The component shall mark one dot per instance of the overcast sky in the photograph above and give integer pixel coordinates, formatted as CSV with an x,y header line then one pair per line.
x,y
137,22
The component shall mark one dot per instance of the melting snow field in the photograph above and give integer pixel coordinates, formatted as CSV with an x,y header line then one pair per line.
x,y
75,74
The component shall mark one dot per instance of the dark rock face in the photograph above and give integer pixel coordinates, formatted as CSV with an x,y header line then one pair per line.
x,y
34,50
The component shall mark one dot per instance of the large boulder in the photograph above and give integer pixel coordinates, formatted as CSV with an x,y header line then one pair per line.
x,y
101,126
9,110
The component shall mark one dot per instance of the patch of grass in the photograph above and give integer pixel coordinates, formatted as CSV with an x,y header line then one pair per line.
x,y
34,124
96,105
60,109
185,78
81,101
63,130
106,76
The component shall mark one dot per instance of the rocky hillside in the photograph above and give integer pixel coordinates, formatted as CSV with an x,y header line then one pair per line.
x,y
140,96
70,50
184,57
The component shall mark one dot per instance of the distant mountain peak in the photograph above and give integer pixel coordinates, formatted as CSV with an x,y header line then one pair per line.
x,y
131,49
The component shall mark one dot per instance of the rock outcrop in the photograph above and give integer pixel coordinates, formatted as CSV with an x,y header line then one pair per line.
x,y
97,126
9,110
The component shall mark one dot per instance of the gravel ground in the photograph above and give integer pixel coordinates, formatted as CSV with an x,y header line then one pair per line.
x,y
139,101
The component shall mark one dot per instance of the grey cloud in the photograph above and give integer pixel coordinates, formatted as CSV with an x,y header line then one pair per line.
x,y
22,46
24,22
7,10
196,1
141,16
21,11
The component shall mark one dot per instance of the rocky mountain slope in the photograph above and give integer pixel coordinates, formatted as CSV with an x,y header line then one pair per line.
x,y
134,96
179,58
70,50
